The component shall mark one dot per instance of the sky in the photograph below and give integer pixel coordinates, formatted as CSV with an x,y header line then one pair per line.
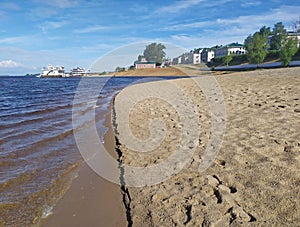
x,y
35,33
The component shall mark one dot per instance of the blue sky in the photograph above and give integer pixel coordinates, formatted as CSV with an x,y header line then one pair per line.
x,y
75,33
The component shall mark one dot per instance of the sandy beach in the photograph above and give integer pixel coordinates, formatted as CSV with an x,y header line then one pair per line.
x,y
253,180
91,200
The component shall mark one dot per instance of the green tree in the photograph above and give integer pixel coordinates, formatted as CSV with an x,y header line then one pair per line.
x,y
120,69
226,59
265,31
155,52
288,50
140,57
256,48
279,36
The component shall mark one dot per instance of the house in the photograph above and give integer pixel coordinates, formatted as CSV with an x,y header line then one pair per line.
x,y
194,58
233,48
177,60
188,58
207,55
143,64
290,34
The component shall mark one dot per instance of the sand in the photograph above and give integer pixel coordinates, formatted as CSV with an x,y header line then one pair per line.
x,y
169,71
254,179
91,200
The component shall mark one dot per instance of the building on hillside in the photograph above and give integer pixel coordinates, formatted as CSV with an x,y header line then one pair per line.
x,y
207,55
233,48
143,64
188,58
194,58
177,60
290,34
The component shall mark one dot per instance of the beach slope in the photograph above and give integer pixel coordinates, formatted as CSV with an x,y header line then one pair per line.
x,y
255,176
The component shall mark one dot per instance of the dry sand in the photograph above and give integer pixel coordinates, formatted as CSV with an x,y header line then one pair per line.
x,y
255,178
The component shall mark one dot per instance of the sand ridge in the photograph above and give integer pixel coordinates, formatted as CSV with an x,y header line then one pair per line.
x,y
255,178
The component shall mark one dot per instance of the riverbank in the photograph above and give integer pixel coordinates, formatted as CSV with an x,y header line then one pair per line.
x,y
255,177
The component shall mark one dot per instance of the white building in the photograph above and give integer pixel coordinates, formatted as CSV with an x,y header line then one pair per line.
x,y
233,48
188,58
194,58
207,55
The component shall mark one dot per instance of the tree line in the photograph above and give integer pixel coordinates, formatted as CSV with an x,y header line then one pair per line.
x,y
258,46
265,41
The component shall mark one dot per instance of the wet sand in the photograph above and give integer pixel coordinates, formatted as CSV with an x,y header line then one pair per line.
x,y
91,200
255,178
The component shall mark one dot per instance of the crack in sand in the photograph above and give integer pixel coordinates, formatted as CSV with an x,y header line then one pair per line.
x,y
126,198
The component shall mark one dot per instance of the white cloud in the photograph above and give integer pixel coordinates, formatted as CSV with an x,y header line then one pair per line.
x,y
63,3
179,5
283,14
247,4
224,31
89,29
9,64
178,27
55,24
13,40
59,3
52,25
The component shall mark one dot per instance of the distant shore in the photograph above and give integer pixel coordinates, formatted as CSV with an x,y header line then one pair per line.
x,y
168,71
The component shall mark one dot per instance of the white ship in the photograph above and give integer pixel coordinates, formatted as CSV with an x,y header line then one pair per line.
x,y
78,71
53,71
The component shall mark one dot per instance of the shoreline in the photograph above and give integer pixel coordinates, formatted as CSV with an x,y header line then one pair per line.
x,y
79,206
91,200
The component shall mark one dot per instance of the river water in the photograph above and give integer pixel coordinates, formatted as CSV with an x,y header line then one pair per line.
x,y
38,153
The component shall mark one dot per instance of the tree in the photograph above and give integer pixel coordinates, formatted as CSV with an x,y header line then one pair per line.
x,y
265,31
120,69
140,57
279,35
288,50
155,52
227,59
256,48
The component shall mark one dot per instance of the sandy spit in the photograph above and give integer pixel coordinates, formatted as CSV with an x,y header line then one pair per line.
x,y
255,178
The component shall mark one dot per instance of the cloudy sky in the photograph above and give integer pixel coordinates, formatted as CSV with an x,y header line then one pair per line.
x,y
75,33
